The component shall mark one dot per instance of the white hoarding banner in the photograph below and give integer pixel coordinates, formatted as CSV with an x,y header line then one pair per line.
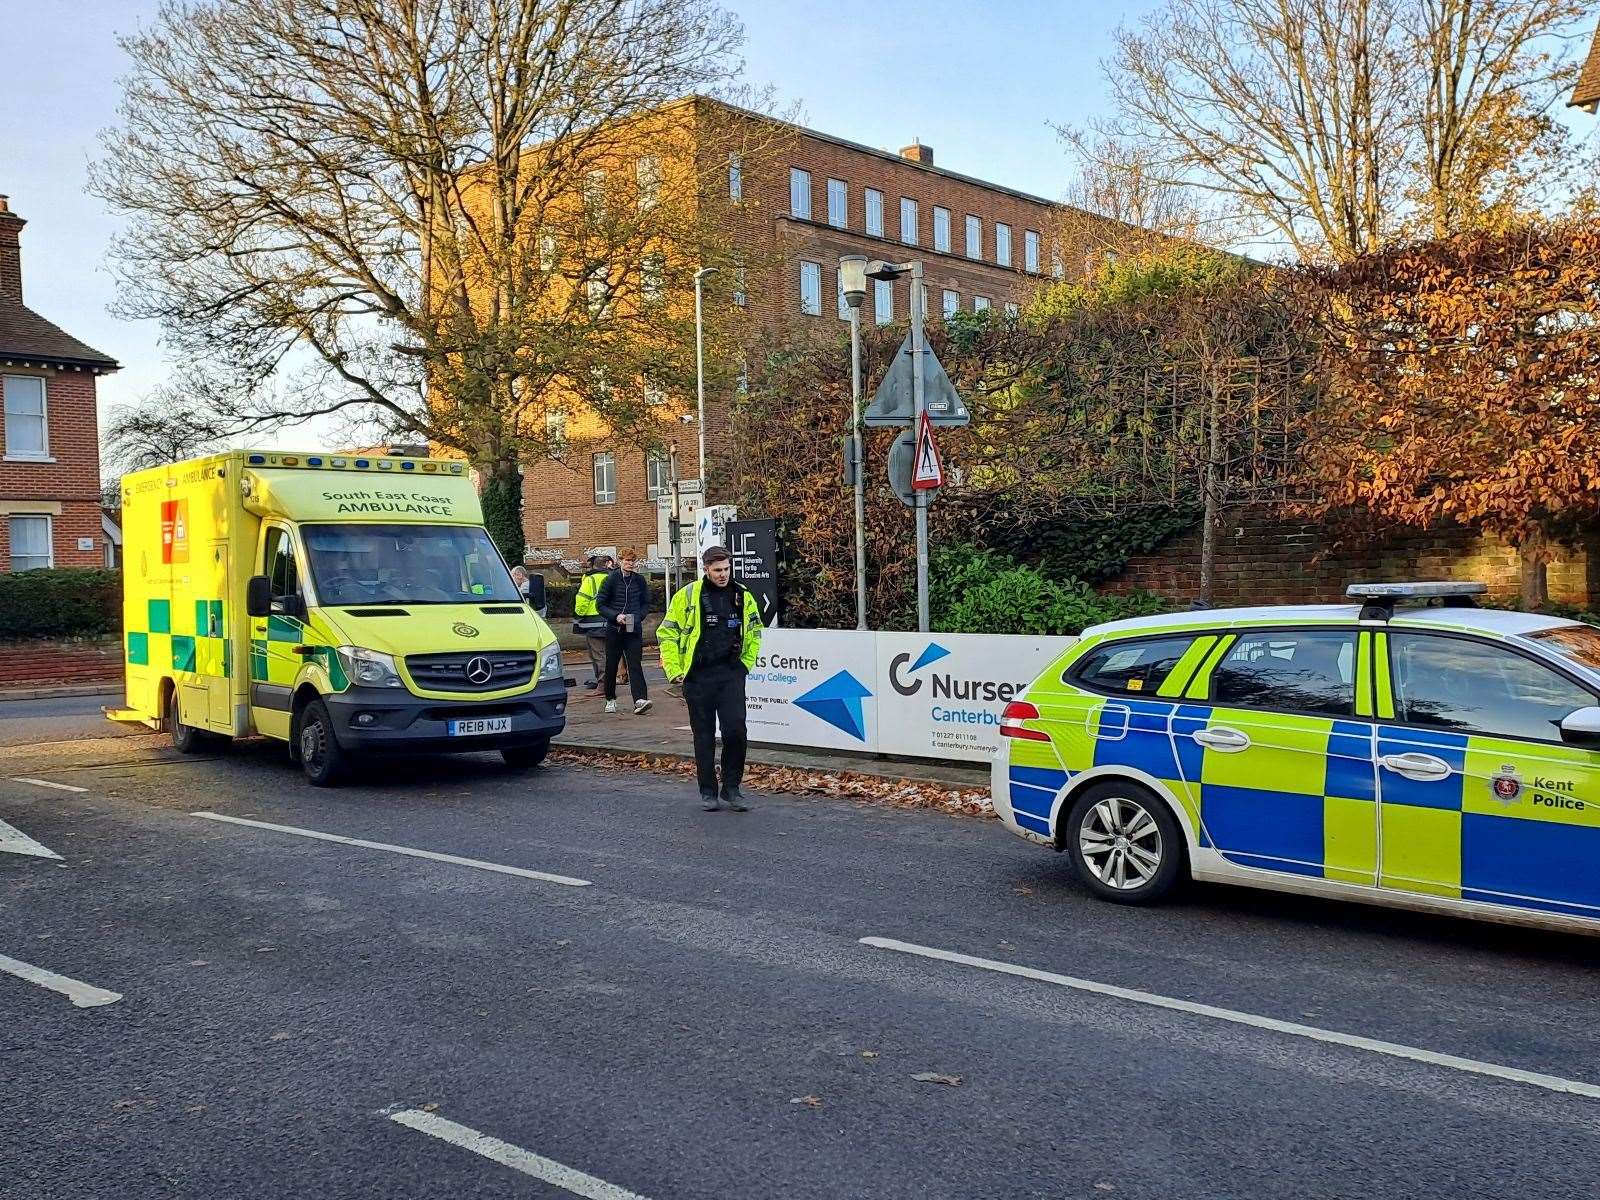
x,y
814,687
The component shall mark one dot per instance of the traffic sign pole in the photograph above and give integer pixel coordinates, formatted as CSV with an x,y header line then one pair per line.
x,y
918,402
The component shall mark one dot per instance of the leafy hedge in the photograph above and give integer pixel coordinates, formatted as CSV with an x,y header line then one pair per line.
x,y
60,602
976,591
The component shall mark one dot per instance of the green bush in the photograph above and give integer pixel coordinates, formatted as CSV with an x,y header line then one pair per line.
x,y
59,603
977,591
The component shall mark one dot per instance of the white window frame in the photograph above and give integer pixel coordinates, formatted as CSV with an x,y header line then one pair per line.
x,y
1030,251
49,541
873,204
657,475
555,432
604,463
653,278
909,231
1002,243
647,175
844,305
951,302
654,393
980,304
740,296
941,230
12,419
974,231
882,301
594,193
838,204
810,288
1013,309
800,193
735,177
547,252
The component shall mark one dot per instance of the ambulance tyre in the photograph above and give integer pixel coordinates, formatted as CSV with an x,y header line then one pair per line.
x,y
186,739
523,757
321,757
1124,843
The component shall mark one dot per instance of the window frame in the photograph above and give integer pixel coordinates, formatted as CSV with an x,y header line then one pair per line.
x,y
974,237
595,463
1241,632
838,215
949,302
872,228
735,177
1002,236
941,245
910,207
882,314
815,267
43,417
658,463
647,179
982,304
1073,675
800,189
1030,251
49,541
838,285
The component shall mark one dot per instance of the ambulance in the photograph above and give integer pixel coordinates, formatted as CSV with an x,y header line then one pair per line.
x,y
343,604
1408,749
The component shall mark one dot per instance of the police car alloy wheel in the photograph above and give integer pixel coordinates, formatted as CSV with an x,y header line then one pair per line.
x,y
1124,843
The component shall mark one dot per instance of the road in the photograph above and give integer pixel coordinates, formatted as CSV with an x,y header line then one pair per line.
x,y
299,1017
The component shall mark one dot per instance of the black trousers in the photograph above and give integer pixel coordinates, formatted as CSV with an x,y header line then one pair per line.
x,y
715,695
621,645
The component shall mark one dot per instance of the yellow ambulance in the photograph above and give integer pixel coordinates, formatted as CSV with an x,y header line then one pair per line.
x,y
341,603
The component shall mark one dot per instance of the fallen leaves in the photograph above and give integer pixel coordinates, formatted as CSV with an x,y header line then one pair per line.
x,y
936,1077
808,1101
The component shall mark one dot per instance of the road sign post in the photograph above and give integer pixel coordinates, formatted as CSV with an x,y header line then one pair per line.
x,y
919,416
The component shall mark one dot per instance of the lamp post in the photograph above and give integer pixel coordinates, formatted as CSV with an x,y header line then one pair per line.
x,y
700,373
853,283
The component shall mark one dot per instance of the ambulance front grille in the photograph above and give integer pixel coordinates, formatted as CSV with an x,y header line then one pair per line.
x,y
449,672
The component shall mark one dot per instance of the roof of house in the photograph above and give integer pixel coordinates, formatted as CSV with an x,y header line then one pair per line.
x,y
25,336
1587,92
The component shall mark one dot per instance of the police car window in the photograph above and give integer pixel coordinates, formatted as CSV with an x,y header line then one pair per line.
x,y
1296,671
1132,667
1575,643
1452,683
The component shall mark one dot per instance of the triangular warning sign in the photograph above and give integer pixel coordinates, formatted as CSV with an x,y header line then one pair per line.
x,y
892,403
927,470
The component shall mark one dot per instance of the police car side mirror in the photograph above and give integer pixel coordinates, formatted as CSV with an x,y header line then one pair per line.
x,y
1582,727
258,596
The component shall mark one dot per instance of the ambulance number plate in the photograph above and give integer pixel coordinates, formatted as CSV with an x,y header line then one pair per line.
x,y
480,725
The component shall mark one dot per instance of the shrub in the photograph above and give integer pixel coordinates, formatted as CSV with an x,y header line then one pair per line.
x,y
60,602
982,592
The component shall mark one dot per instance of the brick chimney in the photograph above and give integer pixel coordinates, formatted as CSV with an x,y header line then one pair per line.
x,y
918,153
10,253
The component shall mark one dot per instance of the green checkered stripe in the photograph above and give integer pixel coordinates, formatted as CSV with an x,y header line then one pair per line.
x,y
190,638
271,661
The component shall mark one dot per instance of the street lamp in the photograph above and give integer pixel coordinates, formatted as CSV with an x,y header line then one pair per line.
x,y
853,283
700,372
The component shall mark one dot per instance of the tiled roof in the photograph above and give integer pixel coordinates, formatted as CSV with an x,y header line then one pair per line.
x,y
26,336
1587,93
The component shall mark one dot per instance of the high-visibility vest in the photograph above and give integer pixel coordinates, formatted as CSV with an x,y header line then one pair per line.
x,y
679,633
583,604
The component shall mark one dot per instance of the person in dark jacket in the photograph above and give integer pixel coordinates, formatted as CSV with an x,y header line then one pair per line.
x,y
624,600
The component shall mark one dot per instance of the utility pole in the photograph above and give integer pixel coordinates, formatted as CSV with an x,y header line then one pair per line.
x,y
918,344
700,374
853,282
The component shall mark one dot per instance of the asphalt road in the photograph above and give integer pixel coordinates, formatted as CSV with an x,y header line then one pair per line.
x,y
703,1019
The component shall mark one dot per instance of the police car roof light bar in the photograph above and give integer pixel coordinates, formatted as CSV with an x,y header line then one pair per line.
x,y
1379,599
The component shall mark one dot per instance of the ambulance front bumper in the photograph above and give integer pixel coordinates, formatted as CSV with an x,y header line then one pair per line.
x,y
376,719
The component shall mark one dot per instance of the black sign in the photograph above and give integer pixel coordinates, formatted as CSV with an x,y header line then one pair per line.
x,y
754,547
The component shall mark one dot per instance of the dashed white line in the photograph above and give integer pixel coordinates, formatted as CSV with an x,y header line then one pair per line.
x,y
507,1155
84,995
1472,1066
45,783
14,841
436,856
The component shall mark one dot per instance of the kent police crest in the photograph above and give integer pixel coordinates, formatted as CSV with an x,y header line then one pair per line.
x,y
1506,784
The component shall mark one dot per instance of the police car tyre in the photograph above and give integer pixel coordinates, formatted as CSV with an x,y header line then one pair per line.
x,y
523,757
323,760
1124,843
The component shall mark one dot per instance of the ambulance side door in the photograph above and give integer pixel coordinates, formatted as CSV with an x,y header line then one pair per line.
x,y
275,659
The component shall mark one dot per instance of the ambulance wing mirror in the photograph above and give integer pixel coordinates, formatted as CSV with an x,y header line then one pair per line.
x,y
1582,727
258,596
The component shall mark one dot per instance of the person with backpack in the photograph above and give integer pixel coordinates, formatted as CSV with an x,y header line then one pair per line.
x,y
586,618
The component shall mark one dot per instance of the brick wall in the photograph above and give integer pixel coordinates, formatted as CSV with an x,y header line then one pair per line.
x,y
1263,561
70,483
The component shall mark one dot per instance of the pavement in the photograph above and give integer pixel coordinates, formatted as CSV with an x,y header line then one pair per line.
x,y
571,981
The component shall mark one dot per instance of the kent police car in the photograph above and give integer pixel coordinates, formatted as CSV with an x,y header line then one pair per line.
x,y
1441,756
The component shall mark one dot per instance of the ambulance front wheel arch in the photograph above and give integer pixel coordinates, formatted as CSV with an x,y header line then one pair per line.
x,y
314,743
186,739
1124,841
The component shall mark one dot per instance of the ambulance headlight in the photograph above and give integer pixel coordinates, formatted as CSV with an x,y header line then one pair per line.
x,y
369,668
550,662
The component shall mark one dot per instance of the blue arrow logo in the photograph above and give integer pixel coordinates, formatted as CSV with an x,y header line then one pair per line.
x,y
837,700
932,654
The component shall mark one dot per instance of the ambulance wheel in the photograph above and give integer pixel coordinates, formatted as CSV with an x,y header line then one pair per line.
x,y
1124,843
186,739
323,760
523,757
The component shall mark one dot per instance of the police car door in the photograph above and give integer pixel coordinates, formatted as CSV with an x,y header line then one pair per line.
x,y
1286,773
1480,798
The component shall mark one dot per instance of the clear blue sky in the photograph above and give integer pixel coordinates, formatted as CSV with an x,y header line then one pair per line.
x,y
982,83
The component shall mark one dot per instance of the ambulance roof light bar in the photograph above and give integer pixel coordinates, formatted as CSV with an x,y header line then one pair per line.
x,y
1378,599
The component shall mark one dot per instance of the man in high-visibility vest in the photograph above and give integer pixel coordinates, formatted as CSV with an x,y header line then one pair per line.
x,y
710,639
586,618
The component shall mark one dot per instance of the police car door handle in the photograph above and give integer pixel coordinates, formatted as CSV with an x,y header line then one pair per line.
x,y
1221,738
1416,766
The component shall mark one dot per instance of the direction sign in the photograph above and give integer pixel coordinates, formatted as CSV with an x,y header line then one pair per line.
x,y
927,471
893,404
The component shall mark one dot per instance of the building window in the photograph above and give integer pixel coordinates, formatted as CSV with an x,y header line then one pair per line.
x,y
1002,244
605,478
735,177
882,301
657,476
974,237
844,305
598,289
594,194
800,193
1030,251
811,289
654,393
741,385
740,296
653,278
941,229
1013,310
838,204
908,221
980,304
1058,265
952,302
647,172
30,543
547,252
27,427
555,432
874,201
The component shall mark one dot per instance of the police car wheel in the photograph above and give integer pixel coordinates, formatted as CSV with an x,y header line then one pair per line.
x,y
522,757
321,757
1124,843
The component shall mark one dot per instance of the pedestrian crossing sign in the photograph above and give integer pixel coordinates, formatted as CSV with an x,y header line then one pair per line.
x,y
927,472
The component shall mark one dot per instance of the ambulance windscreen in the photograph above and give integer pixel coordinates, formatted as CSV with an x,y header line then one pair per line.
x,y
406,564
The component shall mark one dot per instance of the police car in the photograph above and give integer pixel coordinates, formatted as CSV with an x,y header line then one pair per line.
x,y
1410,749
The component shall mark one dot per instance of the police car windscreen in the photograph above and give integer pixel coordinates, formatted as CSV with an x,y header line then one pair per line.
x,y
406,564
1579,643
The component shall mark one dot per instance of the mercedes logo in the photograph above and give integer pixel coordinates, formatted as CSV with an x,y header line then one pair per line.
x,y
479,669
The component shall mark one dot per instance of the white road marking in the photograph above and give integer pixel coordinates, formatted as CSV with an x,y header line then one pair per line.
x,y
1554,1083
521,872
14,841
84,995
45,783
507,1155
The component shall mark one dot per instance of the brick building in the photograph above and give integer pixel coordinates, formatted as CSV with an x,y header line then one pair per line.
x,y
50,512
790,217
